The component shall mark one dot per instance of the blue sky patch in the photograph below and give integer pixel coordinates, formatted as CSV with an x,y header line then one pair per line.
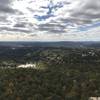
x,y
88,27
51,7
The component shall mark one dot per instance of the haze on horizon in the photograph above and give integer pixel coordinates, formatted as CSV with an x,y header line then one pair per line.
x,y
49,20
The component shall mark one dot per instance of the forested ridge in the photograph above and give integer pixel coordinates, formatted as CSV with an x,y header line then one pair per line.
x,y
67,74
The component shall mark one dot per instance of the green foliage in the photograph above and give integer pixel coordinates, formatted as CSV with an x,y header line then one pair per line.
x,y
65,74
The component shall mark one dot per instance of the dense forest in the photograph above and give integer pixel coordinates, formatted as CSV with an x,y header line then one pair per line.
x,y
61,73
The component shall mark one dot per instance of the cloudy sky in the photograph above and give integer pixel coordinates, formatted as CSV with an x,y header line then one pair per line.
x,y
50,20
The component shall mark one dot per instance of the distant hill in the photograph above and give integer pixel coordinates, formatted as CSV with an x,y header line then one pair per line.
x,y
67,44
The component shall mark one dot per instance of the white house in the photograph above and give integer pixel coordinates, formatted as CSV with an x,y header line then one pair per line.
x,y
94,98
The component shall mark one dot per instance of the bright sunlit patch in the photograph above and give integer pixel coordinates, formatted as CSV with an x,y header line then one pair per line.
x,y
27,66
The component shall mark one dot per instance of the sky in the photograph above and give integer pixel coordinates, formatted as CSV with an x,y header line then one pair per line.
x,y
49,20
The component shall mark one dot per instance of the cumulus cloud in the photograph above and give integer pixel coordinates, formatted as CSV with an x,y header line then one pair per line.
x,y
49,19
89,9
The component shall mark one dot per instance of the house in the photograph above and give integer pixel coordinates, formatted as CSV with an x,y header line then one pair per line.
x,y
94,98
